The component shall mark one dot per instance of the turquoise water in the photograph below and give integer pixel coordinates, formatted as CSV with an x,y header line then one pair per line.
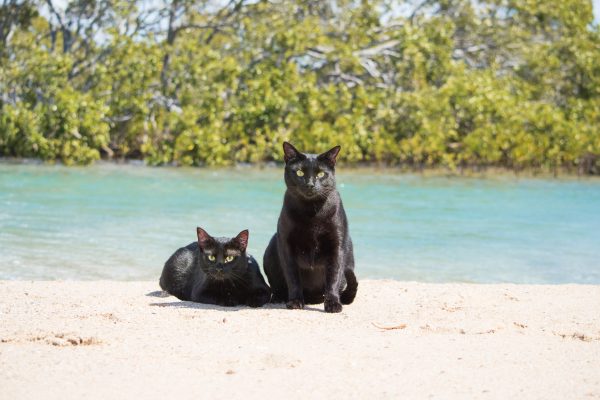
x,y
122,222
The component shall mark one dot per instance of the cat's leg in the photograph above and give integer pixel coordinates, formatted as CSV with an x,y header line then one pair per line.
x,y
202,294
274,273
218,300
291,272
258,298
292,278
228,301
283,274
333,277
205,299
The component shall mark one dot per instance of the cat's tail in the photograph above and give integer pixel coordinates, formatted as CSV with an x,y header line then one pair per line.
x,y
349,293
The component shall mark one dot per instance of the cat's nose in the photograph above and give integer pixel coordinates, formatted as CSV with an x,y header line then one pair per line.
x,y
310,184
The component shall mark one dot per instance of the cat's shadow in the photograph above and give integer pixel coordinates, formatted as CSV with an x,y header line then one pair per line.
x,y
202,306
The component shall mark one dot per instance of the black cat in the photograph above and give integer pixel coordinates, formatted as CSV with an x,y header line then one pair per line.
x,y
215,270
310,258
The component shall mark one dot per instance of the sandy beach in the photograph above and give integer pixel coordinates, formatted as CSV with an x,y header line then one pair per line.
x,y
101,340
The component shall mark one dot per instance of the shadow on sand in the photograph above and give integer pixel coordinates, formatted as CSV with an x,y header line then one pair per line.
x,y
202,306
158,293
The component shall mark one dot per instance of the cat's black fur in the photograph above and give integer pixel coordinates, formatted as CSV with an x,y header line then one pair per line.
x,y
189,274
310,259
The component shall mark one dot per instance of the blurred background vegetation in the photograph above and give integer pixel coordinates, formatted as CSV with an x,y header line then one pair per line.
x,y
446,83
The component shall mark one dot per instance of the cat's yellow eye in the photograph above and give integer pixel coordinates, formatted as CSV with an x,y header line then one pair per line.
x,y
229,259
300,172
211,257
321,174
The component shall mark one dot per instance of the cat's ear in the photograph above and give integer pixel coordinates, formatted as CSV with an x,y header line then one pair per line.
x,y
242,239
330,156
204,239
290,152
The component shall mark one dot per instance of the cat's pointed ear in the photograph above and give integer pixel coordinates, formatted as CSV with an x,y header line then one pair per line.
x,y
330,156
242,239
204,239
290,152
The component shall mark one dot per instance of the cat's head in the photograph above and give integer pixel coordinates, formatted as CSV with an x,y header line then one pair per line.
x,y
310,176
223,258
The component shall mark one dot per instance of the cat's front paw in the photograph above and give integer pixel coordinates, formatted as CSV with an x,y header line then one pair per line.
x,y
227,303
295,304
333,306
257,300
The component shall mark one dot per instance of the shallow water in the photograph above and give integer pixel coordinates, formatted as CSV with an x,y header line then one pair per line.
x,y
122,222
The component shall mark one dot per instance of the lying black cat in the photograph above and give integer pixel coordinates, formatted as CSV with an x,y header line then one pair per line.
x,y
215,271
310,258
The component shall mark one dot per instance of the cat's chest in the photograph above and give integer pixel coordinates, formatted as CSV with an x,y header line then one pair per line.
x,y
307,235
311,245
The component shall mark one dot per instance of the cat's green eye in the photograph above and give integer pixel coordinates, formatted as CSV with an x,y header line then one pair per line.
x,y
300,172
211,257
229,259
321,174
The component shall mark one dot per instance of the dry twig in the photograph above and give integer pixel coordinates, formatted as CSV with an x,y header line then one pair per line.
x,y
388,328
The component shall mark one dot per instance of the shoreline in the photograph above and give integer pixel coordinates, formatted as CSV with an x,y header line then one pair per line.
x,y
437,171
103,339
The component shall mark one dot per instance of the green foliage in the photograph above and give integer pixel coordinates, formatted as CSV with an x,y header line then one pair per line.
x,y
505,83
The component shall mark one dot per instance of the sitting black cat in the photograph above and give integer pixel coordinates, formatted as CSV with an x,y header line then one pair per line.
x,y
215,271
310,258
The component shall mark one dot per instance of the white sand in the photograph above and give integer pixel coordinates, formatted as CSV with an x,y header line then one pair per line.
x,y
110,340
